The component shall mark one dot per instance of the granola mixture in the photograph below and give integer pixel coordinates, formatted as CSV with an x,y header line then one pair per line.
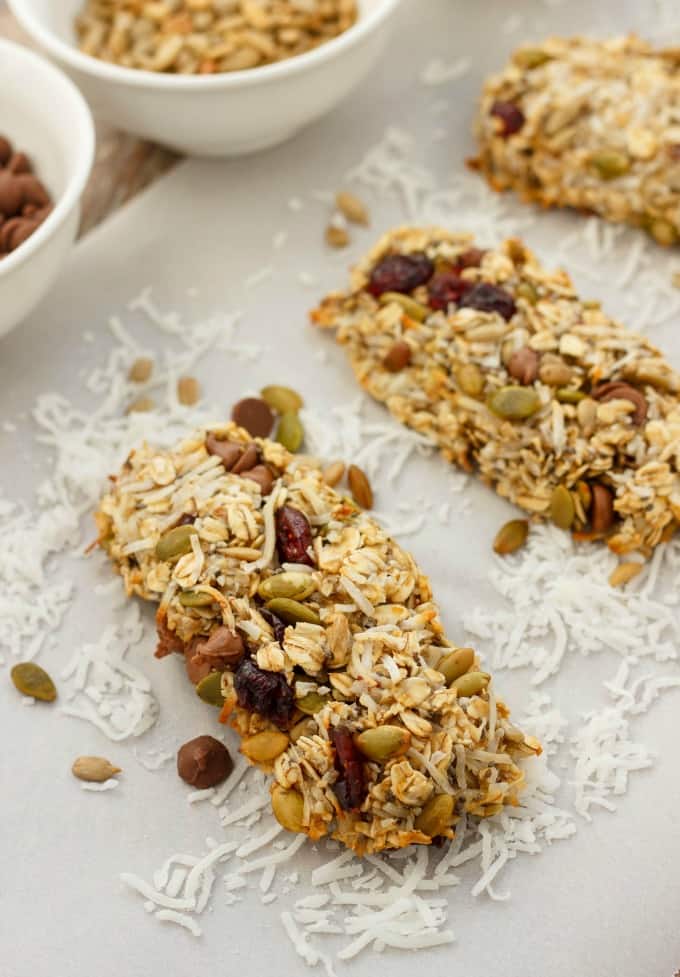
x,y
208,36
499,362
588,124
334,667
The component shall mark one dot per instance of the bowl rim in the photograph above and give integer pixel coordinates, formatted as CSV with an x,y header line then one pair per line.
x,y
140,77
77,179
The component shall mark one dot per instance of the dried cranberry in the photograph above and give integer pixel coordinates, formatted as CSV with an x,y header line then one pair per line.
x,y
489,298
293,536
511,116
266,693
400,273
446,288
350,787
276,624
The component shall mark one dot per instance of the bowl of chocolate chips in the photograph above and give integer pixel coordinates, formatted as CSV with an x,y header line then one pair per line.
x,y
46,152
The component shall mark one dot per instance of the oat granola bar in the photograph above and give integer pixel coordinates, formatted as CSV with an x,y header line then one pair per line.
x,y
510,374
588,124
321,638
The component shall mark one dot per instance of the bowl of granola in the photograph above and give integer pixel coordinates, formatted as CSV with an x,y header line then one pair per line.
x,y
215,78
46,152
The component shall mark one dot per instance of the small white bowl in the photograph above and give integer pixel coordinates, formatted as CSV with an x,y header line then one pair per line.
x,y
44,115
226,114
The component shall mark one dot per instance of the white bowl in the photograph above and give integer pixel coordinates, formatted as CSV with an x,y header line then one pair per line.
x,y
226,114
44,115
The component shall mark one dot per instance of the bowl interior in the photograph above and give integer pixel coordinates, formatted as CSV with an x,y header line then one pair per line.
x,y
58,18
40,115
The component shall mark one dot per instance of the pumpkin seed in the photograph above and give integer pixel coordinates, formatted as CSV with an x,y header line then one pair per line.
x,y
188,391
292,611
305,727
531,57
333,473
514,403
195,598
511,537
567,395
610,163
526,291
383,743
456,663
625,572
209,689
663,231
414,310
470,379
290,583
471,684
175,543
312,703
290,432
93,769
283,400
562,510
264,747
436,816
351,207
360,487
288,807
336,237
141,370
32,680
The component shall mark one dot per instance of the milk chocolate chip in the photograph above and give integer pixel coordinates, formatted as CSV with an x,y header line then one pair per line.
x,y
204,762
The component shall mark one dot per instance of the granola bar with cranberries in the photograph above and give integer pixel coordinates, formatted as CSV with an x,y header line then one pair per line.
x,y
589,124
510,374
334,668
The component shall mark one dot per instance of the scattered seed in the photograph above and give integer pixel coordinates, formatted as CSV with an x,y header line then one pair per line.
x,y
436,816
264,747
470,379
514,403
195,598
567,395
141,370
383,743
351,207
291,583
33,681
209,689
336,237
292,611
288,807
188,391
610,163
282,399
93,769
141,406
311,703
511,537
333,473
360,487
175,543
414,310
290,432
456,663
624,573
471,684
562,510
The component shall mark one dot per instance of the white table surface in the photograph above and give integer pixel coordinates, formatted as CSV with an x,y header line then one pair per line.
x,y
605,904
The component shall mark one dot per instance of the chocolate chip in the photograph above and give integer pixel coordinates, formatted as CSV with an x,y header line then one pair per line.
x,y
19,163
602,508
523,365
619,390
5,150
255,416
196,666
228,451
224,647
16,231
204,762
32,189
248,460
263,476
11,194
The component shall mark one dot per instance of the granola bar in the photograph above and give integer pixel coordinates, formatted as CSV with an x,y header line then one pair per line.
x,y
588,124
335,670
509,373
